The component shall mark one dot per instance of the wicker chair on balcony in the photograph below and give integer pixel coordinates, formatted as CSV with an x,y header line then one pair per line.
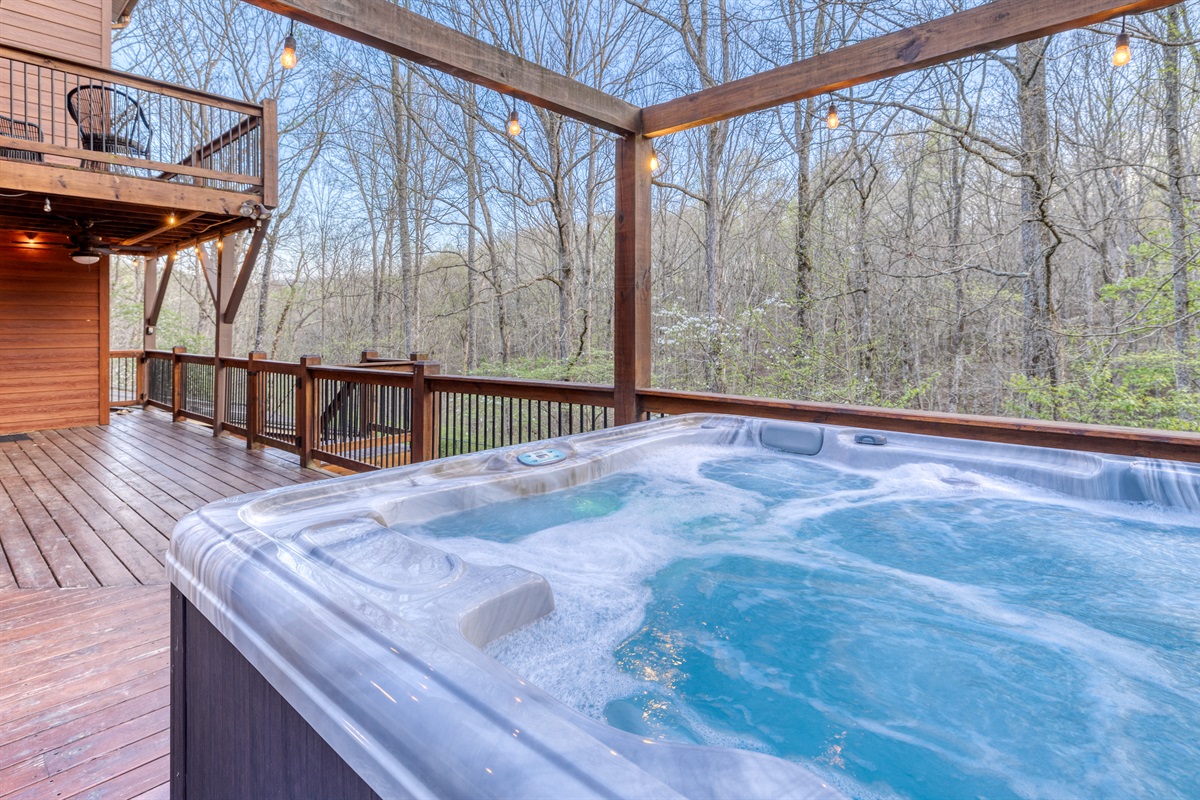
x,y
110,121
19,129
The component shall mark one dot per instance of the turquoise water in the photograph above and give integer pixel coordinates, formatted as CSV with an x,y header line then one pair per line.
x,y
919,633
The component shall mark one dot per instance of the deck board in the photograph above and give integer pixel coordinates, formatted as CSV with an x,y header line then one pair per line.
x,y
85,518
83,691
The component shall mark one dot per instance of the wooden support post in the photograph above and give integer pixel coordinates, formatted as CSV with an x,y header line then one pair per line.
x,y
149,295
176,382
270,153
253,403
631,274
223,340
105,365
149,326
368,356
306,410
422,440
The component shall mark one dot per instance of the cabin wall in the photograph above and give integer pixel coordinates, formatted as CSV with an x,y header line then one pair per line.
x,y
79,30
53,338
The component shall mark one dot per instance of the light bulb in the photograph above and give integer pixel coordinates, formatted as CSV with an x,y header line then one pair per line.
x,y
288,59
46,206
653,160
832,118
514,124
171,218
1122,55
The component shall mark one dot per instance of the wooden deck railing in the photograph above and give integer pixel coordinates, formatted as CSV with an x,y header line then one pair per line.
x,y
133,126
384,412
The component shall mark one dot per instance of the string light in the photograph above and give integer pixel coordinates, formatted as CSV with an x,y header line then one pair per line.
x,y
514,124
46,206
288,59
654,163
831,119
171,218
1122,55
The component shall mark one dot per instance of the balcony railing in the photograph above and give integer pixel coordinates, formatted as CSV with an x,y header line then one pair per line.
x,y
62,113
384,413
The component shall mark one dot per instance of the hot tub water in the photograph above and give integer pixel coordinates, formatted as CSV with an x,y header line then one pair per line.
x,y
919,631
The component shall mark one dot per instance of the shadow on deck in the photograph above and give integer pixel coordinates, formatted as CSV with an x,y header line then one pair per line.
x,y
85,517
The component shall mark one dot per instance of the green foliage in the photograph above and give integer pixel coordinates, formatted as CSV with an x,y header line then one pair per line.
x,y
1136,390
173,329
597,369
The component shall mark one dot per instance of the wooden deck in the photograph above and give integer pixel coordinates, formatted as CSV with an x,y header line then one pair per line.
x,y
90,507
84,670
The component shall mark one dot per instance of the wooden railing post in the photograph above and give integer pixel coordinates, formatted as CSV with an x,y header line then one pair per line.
x,y
368,356
306,410
253,404
143,378
227,268
176,382
422,441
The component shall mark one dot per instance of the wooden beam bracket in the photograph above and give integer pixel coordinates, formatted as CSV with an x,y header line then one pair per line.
x,y
229,314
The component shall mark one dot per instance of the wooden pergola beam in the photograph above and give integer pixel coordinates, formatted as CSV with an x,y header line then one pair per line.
x,y
993,26
400,32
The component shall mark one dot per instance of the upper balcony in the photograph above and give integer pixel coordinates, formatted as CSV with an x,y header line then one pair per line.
x,y
150,166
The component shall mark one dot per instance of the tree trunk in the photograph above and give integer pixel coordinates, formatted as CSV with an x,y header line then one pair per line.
x,y
959,331
400,89
1175,210
1038,241
470,346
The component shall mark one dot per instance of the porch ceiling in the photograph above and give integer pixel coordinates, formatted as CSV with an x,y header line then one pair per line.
x,y
115,222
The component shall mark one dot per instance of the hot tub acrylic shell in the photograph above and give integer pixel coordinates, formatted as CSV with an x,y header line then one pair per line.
x,y
374,638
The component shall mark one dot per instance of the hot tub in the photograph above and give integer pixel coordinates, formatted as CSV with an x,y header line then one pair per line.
x,y
333,640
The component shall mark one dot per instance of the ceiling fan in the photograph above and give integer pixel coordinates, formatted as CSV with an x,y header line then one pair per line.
x,y
87,246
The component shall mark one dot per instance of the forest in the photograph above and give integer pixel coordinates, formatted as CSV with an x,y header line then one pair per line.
x,y
1010,234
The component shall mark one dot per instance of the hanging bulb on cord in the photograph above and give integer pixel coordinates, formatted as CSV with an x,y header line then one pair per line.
x,y
288,58
831,119
514,124
1122,55
654,164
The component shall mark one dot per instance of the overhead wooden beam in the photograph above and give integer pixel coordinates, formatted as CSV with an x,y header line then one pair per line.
x,y
48,179
150,234
234,226
243,278
388,27
993,26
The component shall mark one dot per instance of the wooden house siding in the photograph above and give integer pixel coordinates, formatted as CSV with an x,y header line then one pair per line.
x,y
74,29
53,339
